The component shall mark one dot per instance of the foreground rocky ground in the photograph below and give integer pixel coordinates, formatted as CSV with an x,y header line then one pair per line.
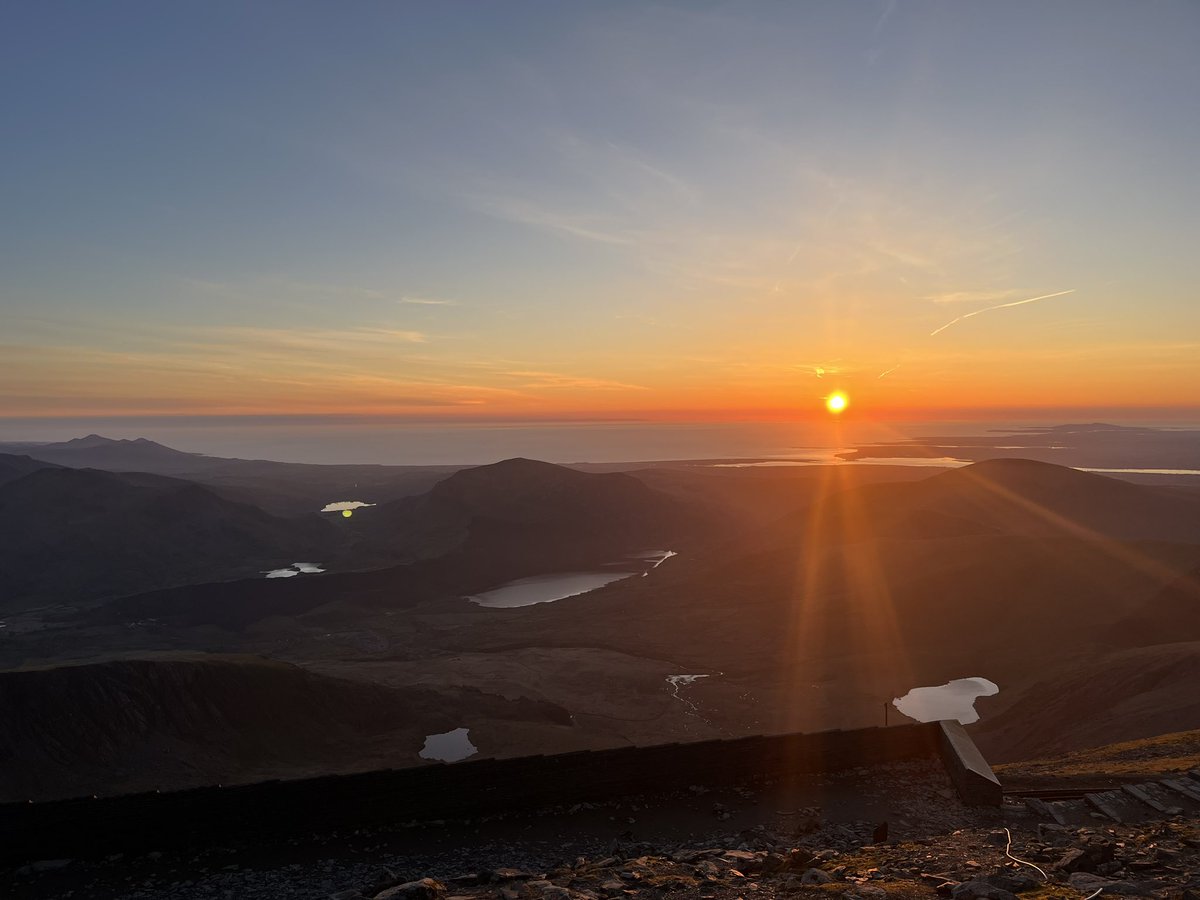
x,y
1163,861
896,831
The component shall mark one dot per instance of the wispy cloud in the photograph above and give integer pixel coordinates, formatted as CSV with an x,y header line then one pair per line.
x,y
527,212
332,339
980,312
285,291
971,296
889,7
535,379
428,301
819,370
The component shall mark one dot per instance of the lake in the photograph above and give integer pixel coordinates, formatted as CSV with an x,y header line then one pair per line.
x,y
300,568
545,588
952,700
449,747
344,505
560,585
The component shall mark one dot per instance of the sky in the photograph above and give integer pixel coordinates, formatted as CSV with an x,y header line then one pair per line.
x,y
547,210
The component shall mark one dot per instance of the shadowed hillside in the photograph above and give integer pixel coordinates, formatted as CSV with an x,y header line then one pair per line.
x,y
72,534
14,467
812,621
1121,696
135,724
97,452
282,488
1014,497
530,514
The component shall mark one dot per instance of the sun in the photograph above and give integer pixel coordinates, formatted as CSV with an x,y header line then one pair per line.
x,y
836,402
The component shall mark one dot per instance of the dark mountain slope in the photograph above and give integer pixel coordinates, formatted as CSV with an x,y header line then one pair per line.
x,y
76,534
527,510
279,487
185,720
477,529
96,452
13,467
1009,497
1171,615
830,613
1122,696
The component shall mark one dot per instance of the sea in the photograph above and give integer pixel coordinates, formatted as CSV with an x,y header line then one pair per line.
x,y
356,440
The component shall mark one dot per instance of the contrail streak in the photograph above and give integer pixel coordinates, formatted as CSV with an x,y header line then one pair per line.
x,y
890,371
999,306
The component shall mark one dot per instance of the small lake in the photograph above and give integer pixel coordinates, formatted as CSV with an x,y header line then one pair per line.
x,y
560,585
449,747
343,505
952,700
545,588
300,568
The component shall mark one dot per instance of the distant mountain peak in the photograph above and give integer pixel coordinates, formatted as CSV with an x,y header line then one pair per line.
x,y
91,440
522,462
1019,469
99,440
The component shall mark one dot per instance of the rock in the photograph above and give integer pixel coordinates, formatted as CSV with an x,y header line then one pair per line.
x,y
747,861
49,865
1070,860
740,856
500,875
799,858
350,894
1094,853
382,879
773,863
1089,883
425,889
979,889
816,876
880,834
1014,882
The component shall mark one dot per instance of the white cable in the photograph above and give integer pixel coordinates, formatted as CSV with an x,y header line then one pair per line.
x,y
1008,847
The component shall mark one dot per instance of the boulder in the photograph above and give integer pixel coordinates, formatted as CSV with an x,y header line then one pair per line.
x,y
979,889
1089,883
425,889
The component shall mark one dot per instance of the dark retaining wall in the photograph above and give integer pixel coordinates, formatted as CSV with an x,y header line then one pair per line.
x,y
90,826
973,778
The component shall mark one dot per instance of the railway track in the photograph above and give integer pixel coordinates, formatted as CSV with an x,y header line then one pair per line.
x,y
1166,797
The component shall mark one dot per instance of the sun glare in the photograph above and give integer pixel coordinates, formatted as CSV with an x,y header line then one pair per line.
x,y
836,402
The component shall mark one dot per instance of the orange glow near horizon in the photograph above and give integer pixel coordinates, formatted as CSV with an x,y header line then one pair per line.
x,y
258,372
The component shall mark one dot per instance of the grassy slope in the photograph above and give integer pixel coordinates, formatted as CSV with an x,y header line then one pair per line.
x,y
1127,761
